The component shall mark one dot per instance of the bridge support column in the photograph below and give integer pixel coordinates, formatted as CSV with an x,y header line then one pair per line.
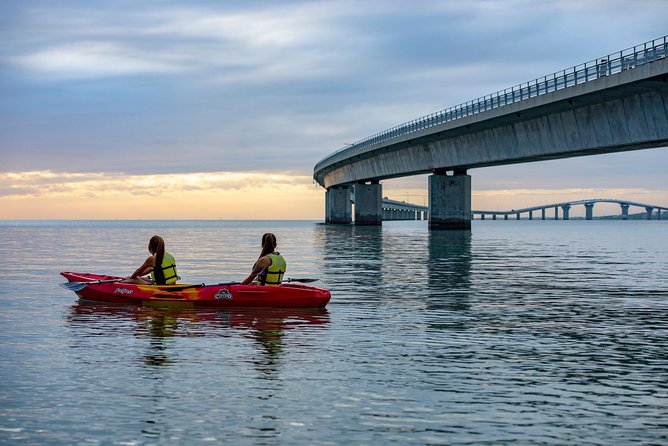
x,y
482,216
625,211
368,204
517,217
658,214
530,215
566,208
589,211
450,200
649,210
556,213
493,216
542,214
338,209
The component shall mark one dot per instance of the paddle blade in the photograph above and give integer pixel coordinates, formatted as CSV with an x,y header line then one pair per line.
x,y
74,286
78,286
300,280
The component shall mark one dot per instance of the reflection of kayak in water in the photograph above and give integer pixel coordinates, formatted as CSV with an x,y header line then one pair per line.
x,y
104,288
265,326
198,321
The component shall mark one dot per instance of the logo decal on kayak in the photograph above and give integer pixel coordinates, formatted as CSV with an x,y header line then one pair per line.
x,y
223,293
123,291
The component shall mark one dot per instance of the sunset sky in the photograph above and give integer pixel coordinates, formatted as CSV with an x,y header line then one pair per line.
x,y
205,110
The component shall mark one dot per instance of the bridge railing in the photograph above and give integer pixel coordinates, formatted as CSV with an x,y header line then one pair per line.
x,y
595,69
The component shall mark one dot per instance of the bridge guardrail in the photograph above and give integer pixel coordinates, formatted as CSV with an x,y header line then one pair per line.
x,y
595,69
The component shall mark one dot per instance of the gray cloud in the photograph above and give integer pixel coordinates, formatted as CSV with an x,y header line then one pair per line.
x,y
166,87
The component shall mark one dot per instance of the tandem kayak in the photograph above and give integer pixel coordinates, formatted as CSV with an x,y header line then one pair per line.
x,y
105,288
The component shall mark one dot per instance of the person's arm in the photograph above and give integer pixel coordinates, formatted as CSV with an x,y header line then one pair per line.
x,y
145,268
261,264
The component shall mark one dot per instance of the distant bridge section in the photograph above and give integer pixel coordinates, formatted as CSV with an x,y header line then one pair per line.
x,y
400,210
566,206
618,102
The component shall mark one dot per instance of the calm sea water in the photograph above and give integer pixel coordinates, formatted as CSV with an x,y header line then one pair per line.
x,y
519,332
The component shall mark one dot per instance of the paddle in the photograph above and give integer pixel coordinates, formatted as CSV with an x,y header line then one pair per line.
x,y
78,286
201,285
300,280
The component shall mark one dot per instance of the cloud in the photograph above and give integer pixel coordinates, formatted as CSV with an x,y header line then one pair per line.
x,y
83,60
41,183
229,195
280,42
168,89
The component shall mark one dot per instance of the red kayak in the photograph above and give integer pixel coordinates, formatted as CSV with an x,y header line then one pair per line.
x,y
104,288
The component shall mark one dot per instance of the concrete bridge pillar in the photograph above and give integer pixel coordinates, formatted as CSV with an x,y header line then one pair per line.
x,y
625,211
556,212
368,204
658,214
338,207
566,208
517,216
505,216
530,215
493,216
649,210
450,200
542,214
589,211
482,216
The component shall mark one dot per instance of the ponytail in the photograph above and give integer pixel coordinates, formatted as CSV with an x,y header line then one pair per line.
x,y
268,244
156,246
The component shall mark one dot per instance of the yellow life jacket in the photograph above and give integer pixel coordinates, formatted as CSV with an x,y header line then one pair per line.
x,y
168,269
274,273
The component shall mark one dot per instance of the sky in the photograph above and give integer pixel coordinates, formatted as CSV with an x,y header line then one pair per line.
x,y
166,109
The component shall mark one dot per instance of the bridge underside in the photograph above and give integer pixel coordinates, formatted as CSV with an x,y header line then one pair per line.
x,y
593,124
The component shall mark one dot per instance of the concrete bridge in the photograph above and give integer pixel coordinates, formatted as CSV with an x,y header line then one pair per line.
x,y
566,206
401,210
618,102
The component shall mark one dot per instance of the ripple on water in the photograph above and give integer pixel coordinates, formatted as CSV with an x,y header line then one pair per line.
x,y
513,333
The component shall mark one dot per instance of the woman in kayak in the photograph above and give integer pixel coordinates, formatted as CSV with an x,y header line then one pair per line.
x,y
164,274
270,266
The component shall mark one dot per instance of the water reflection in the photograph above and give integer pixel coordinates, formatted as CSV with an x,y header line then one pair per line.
x,y
383,263
449,270
266,326
352,256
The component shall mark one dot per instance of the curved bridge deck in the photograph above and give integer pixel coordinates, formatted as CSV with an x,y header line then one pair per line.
x,y
618,102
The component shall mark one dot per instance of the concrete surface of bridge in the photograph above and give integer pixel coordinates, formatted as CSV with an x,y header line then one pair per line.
x,y
618,102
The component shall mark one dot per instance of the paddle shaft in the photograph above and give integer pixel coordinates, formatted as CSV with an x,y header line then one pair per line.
x,y
201,285
78,286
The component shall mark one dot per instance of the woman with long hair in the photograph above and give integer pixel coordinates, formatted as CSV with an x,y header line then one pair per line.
x,y
160,264
270,266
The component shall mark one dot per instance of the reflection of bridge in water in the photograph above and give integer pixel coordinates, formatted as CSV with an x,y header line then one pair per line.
x,y
401,210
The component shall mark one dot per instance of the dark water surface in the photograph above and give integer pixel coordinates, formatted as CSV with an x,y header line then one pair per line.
x,y
519,332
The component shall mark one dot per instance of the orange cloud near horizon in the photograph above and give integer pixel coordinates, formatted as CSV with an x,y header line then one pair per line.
x,y
46,195
218,195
